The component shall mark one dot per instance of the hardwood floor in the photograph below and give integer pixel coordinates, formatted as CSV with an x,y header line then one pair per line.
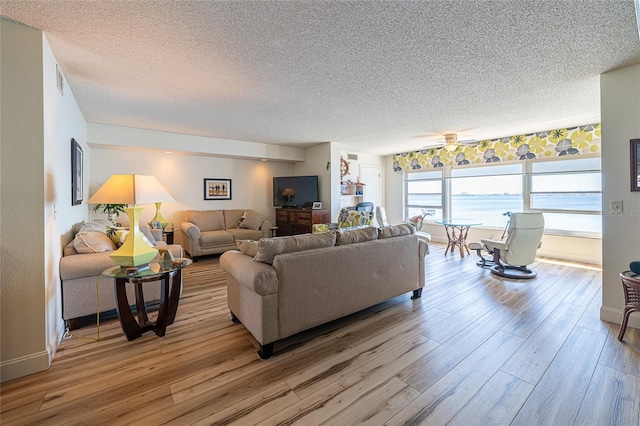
x,y
476,349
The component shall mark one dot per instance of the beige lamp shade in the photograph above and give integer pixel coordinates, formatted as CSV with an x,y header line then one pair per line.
x,y
288,192
132,190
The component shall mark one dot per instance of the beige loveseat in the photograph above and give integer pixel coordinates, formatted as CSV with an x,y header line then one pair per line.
x,y
280,286
81,273
216,231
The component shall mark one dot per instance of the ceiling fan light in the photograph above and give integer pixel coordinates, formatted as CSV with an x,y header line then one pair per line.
x,y
451,147
451,138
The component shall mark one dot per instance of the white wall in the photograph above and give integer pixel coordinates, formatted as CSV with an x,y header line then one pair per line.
x,y
620,110
316,164
63,121
251,180
36,212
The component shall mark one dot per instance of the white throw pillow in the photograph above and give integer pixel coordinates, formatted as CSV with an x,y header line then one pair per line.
x,y
92,242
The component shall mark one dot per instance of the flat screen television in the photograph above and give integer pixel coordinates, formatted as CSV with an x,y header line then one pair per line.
x,y
305,188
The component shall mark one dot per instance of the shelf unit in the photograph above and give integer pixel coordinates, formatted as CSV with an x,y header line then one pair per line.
x,y
351,194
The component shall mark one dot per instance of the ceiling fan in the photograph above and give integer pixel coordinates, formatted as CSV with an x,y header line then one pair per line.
x,y
451,143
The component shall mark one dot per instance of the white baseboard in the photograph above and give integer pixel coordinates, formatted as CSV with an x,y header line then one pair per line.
x,y
615,316
23,366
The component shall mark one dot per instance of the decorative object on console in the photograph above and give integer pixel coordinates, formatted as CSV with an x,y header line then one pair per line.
x,y
317,205
158,217
132,190
217,189
288,195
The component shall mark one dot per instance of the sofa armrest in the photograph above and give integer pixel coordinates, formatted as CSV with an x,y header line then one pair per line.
x,y
255,276
266,229
85,265
190,229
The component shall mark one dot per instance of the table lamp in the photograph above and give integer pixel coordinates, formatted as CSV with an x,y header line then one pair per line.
x,y
158,217
288,195
132,190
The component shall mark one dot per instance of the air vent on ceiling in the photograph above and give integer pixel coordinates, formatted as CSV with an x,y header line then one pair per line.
x,y
59,80
352,157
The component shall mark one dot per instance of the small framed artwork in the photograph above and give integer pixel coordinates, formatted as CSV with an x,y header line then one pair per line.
x,y
76,173
635,164
317,205
217,189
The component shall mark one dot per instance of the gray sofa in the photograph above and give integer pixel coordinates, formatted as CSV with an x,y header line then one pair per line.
x,y
216,231
280,286
81,277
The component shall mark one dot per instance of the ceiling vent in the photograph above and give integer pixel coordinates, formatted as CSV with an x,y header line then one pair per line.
x,y
352,157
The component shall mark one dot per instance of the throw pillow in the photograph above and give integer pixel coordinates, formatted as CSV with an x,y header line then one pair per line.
x,y
268,248
92,242
253,220
396,231
96,225
345,237
248,247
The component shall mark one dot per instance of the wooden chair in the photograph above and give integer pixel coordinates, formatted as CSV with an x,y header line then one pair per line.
x,y
631,286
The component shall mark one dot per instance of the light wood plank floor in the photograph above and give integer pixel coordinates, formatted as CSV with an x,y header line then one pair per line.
x,y
476,349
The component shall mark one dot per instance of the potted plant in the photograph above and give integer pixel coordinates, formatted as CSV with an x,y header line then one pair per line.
x,y
111,210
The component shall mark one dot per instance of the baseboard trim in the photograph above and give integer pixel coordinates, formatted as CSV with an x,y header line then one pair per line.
x,y
615,316
23,366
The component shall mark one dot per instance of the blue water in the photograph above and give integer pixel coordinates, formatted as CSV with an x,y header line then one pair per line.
x,y
488,209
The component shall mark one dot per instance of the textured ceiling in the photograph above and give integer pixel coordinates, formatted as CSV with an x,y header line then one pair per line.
x,y
379,77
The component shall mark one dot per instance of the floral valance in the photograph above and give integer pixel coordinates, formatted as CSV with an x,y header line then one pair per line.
x,y
553,143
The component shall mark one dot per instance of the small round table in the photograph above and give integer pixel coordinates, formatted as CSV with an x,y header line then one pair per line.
x,y
168,301
457,231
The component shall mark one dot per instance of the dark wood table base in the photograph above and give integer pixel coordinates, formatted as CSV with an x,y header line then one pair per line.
x,y
167,308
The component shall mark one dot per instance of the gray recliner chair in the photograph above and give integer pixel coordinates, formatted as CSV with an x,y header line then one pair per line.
x,y
512,256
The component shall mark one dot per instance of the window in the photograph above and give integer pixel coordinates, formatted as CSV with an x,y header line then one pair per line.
x,y
569,193
484,194
424,192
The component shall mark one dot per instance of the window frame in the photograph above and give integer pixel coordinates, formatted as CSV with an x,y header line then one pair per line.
x,y
527,194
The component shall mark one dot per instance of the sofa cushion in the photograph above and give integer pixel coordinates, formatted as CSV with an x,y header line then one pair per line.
x,y
206,220
244,234
352,236
216,237
232,218
92,242
268,248
252,220
248,247
396,230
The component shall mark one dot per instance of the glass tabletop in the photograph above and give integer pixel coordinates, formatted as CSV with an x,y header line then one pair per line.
x,y
458,222
153,269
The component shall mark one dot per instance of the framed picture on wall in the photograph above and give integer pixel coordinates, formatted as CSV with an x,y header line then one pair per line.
x,y
635,164
217,189
76,173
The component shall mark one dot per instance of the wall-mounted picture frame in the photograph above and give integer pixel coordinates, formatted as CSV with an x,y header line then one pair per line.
x,y
317,205
635,164
217,189
76,173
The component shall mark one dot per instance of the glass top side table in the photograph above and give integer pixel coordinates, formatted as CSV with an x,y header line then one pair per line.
x,y
457,231
170,276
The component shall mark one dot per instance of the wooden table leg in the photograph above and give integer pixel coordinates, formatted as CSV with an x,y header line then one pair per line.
x,y
174,298
141,307
131,328
161,322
